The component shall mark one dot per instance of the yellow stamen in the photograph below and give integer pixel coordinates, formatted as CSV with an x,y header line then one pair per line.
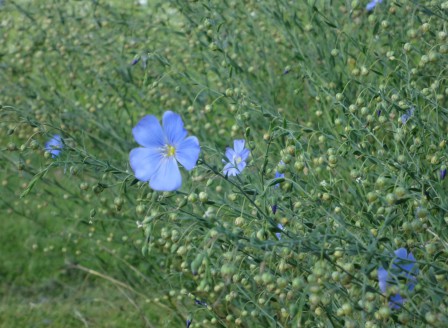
x,y
170,151
238,160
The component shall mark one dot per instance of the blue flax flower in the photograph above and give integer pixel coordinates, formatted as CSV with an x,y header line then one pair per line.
x,y
442,173
237,158
278,174
162,148
279,234
402,268
372,4
54,145
406,116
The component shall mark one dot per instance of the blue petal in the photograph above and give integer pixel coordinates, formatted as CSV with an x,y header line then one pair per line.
x,y
230,170
382,279
230,154
241,166
372,4
148,132
173,127
244,154
279,175
396,301
238,146
404,261
187,152
278,234
54,145
167,177
145,162
401,253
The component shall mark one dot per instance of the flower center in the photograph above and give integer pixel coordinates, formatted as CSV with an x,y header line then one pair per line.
x,y
238,160
170,151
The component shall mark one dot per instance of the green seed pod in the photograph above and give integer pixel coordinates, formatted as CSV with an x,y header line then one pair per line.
x,y
193,197
400,192
267,278
203,197
98,188
118,202
391,198
262,234
140,209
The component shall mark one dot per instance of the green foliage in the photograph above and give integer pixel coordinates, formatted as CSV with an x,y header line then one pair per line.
x,y
353,102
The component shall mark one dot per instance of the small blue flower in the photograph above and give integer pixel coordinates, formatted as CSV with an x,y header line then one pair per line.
x,y
54,145
274,208
406,116
189,321
199,302
372,4
278,174
162,148
135,60
442,173
237,158
279,234
402,267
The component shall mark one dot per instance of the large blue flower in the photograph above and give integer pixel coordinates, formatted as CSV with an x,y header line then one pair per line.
x,y
402,268
237,158
156,161
54,145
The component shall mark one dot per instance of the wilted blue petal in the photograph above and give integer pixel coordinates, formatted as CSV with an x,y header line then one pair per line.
x,y
148,132
135,60
442,174
145,162
189,321
167,177
238,145
382,279
187,152
173,127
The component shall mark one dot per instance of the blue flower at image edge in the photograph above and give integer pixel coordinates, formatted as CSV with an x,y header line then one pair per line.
x,y
162,149
237,158
54,145
372,4
402,267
